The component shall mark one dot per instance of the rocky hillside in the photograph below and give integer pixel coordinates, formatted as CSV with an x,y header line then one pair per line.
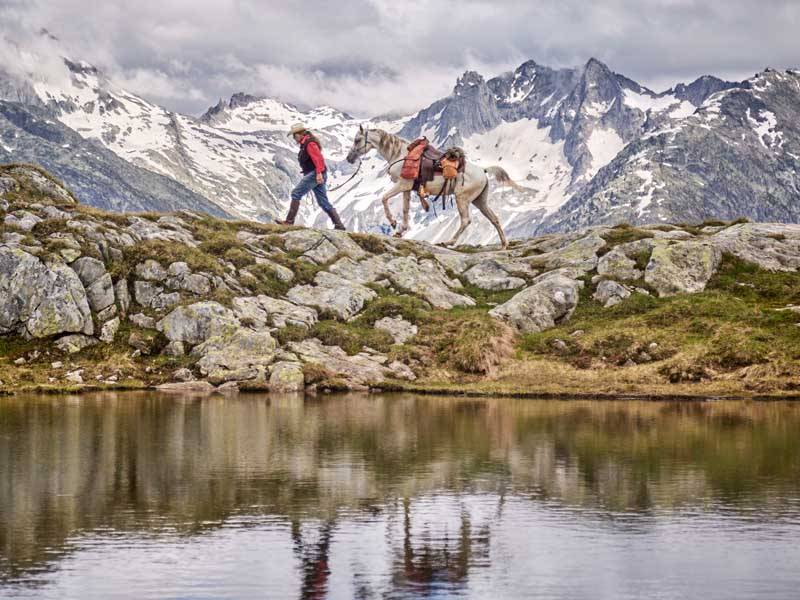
x,y
186,301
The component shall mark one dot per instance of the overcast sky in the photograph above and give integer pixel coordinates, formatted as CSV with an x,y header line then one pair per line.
x,y
371,57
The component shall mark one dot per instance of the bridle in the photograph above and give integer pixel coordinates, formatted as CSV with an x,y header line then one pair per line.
x,y
360,161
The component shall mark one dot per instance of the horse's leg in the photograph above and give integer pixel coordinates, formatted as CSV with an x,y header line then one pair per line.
x,y
482,204
406,207
462,203
388,196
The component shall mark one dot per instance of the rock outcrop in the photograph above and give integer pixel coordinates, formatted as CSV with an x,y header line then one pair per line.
x,y
249,305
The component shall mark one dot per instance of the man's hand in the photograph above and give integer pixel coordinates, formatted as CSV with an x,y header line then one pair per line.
x,y
320,179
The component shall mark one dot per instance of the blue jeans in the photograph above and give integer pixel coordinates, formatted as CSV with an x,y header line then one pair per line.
x,y
309,184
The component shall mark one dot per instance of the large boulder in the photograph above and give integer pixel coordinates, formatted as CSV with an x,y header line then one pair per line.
x,y
96,281
549,301
336,295
195,323
261,312
619,262
400,329
322,246
682,267
236,355
492,275
771,246
610,293
357,371
286,376
580,254
426,278
39,298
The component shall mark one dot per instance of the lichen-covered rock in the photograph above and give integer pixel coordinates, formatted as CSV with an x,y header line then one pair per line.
x,y
580,254
616,265
683,267
237,355
281,273
41,299
322,246
610,293
22,219
109,330
400,329
285,377
427,279
143,321
492,275
549,301
123,296
96,281
771,246
357,371
190,388
261,312
333,294
151,270
145,292
72,344
43,184
174,349
197,322
164,301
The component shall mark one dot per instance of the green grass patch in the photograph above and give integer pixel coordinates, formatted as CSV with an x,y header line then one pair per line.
x,y
622,234
411,308
351,337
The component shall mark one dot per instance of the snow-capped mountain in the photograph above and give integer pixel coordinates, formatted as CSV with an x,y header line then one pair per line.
x,y
585,145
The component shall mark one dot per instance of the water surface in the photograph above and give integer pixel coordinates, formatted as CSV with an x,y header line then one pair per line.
x,y
147,496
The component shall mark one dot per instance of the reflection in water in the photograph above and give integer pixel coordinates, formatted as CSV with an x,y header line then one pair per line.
x,y
396,496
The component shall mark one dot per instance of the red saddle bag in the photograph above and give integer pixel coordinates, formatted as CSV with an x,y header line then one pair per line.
x,y
411,164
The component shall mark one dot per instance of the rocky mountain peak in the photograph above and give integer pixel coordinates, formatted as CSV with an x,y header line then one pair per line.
x,y
469,82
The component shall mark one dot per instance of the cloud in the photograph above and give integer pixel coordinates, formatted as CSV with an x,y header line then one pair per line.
x,y
376,56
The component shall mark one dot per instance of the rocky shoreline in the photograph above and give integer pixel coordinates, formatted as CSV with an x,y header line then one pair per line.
x,y
189,303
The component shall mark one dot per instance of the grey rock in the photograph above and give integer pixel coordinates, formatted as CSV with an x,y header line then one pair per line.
x,y
286,377
683,267
71,344
491,275
174,349
107,314
89,270
401,371
610,293
143,321
540,306
75,377
40,299
358,371
123,296
101,293
427,279
261,312
400,329
22,219
228,388
164,301
183,374
342,298
109,330
195,323
151,270
236,356
771,246
145,292
190,388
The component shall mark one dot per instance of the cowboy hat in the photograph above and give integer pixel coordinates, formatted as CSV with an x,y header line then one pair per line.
x,y
297,128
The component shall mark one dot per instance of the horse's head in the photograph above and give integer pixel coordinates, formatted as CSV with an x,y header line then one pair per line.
x,y
361,144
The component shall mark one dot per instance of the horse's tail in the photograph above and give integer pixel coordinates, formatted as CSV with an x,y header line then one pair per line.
x,y
503,178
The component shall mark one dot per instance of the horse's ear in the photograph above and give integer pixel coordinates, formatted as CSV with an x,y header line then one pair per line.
x,y
360,128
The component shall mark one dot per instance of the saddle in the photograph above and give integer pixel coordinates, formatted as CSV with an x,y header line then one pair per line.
x,y
424,162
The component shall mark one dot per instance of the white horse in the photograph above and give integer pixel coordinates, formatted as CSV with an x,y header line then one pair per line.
x,y
472,187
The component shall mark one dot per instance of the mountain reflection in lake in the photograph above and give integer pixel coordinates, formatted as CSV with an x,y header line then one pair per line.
x,y
146,496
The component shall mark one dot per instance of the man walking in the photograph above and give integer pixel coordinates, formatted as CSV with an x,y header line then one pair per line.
x,y
315,175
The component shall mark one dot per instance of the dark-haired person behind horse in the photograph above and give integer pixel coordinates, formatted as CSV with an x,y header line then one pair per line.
x,y
315,175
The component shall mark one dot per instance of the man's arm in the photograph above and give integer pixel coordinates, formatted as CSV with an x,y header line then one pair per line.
x,y
316,157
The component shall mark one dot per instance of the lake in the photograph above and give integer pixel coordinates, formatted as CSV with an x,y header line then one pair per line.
x,y
140,495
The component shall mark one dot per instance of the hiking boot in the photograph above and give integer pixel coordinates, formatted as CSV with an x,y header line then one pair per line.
x,y
289,220
337,222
